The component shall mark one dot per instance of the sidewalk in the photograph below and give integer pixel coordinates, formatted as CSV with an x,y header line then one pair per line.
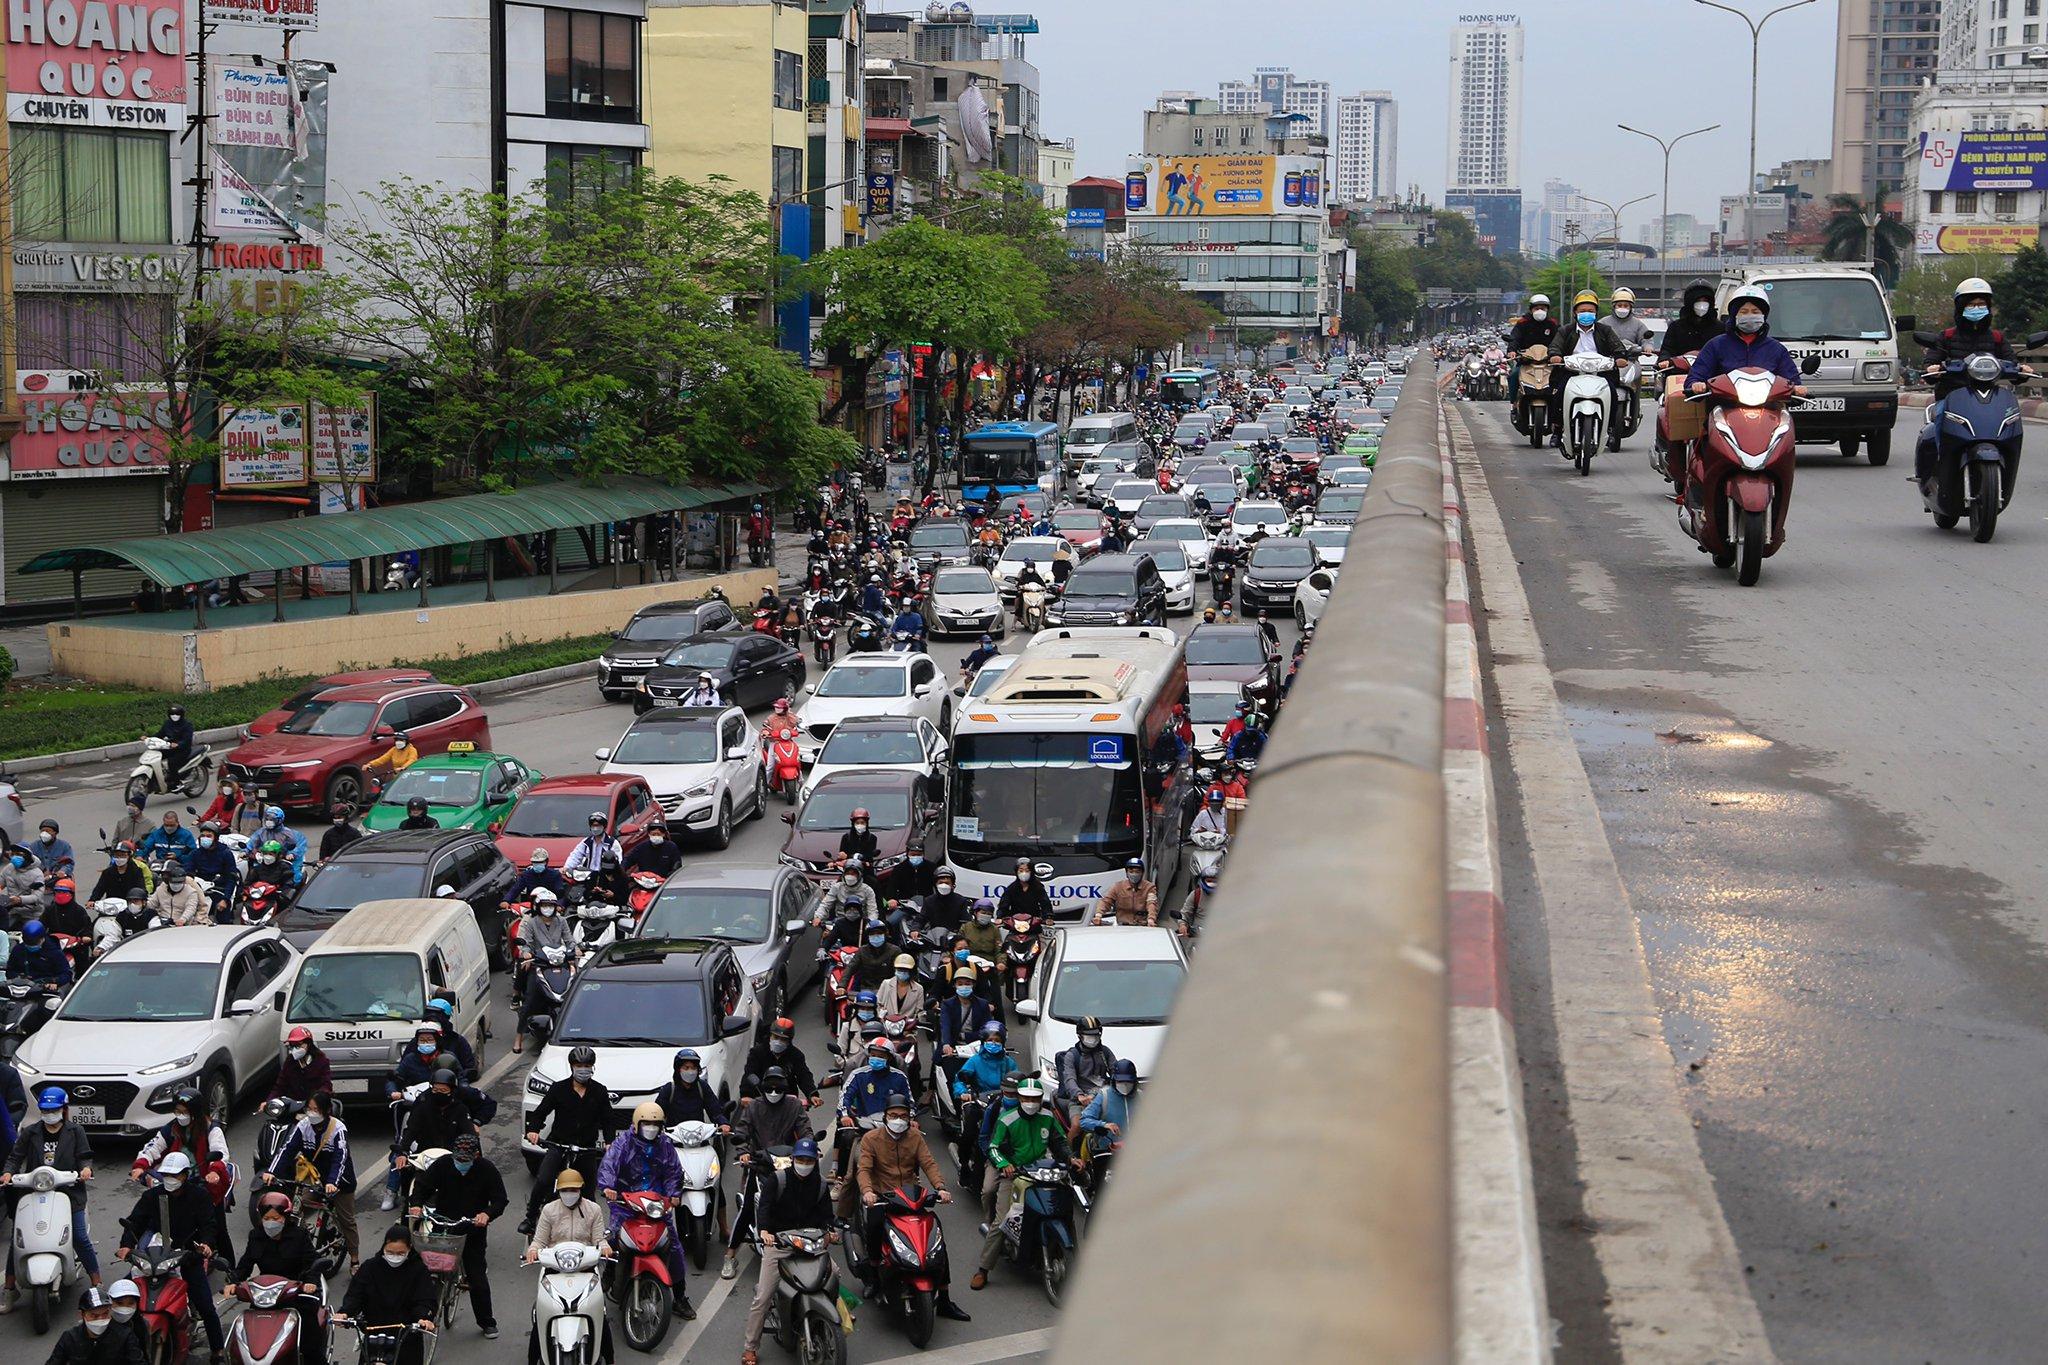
x,y
30,647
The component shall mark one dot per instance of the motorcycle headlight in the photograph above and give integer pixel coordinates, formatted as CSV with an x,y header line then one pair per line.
x,y
901,1246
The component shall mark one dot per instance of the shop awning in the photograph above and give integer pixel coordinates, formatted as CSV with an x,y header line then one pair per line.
x,y
197,556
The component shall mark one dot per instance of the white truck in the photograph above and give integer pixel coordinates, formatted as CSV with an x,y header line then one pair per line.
x,y
1835,310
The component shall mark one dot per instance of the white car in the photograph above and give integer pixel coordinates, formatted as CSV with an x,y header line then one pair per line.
x,y
1125,495
1312,594
701,764
1252,518
1359,476
1038,550
1329,543
1211,704
872,685
896,743
1125,975
1094,470
1176,571
964,601
193,1006
1190,535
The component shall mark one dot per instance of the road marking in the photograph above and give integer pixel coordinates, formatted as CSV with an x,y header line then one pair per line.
x,y
706,1311
372,1175
981,1352
1672,1269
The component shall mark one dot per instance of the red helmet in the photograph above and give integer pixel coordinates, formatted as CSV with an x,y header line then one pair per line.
x,y
274,1199
860,812
781,705
301,1034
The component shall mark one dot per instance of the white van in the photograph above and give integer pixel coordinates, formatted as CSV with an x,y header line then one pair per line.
x,y
364,985
1086,436
1834,310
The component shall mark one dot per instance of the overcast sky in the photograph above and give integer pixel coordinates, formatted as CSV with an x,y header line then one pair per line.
x,y
1588,64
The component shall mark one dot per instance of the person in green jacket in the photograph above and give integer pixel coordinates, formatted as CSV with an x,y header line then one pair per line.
x,y
1022,1136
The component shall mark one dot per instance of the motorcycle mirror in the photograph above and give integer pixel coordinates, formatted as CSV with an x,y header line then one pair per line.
x,y
1810,365
789,817
2036,339
191,810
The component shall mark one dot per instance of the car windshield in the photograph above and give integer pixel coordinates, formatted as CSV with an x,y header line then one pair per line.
x,y
319,717
731,914
340,885
553,817
1300,445
938,535
1059,793
1035,551
1212,708
1341,500
1171,505
963,581
1129,489
1252,512
1100,583
1117,993
864,680
668,742
609,1013
866,748
1329,537
1167,530
356,988
1219,647
1271,556
1166,557
144,993
435,786
1077,521
832,808
703,654
658,629
1250,431
1840,309
991,673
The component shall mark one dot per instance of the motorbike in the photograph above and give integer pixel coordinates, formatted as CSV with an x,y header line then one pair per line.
x,y
1209,848
1974,455
27,1007
640,1278
834,982
568,1305
554,968
697,1214
152,775
804,1313
1471,378
1588,408
1532,402
266,1332
1628,414
911,1262
1022,946
1668,452
381,1345
646,886
597,925
45,1261
905,642
110,923
1031,603
1222,582
785,764
399,576
1038,1234
166,1310
1739,484
765,622
259,899
863,636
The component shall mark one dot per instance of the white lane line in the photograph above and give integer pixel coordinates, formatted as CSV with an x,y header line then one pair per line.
x,y
707,1309
981,1352
372,1175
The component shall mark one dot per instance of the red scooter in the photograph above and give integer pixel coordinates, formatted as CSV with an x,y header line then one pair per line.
x,y
641,1281
1021,948
911,1264
785,763
835,985
166,1301
646,886
1739,484
1667,456
267,1331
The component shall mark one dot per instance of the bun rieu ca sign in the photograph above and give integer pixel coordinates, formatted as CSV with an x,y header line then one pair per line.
x,y
96,63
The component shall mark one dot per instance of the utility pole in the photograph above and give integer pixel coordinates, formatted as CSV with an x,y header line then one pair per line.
x,y
1756,34
1664,219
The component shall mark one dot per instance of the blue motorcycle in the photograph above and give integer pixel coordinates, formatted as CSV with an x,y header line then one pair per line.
x,y
1966,462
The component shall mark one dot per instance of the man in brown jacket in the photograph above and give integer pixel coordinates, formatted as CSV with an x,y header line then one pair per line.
x,y
1134,900
892,1156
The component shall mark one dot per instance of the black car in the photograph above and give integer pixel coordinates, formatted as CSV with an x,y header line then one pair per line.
x,y
1340,506
405,864
751,670
652,632
1276,568
1112,590
941,540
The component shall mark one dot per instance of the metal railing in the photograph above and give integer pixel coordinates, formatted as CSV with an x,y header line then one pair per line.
x,y
1286,1195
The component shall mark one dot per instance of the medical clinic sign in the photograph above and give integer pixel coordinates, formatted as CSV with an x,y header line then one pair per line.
x,y
96,63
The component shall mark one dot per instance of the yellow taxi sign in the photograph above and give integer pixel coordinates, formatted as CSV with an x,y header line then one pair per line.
x,y
462,746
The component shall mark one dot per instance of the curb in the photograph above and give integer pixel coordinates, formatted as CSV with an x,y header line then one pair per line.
x,y
495,687
1502,1308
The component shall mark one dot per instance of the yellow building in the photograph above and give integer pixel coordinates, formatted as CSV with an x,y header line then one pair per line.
x,y
726,91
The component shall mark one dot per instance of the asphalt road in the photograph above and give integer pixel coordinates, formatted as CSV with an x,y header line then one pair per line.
x,y
555,730
1822,794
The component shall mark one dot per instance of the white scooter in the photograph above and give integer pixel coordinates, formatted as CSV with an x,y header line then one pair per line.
x,y
568,1308
696,1213
1629,416
153,776
1210,846
45,1259
109,925
1588,407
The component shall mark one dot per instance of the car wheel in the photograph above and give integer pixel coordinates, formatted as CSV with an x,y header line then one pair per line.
x,y
219,1091
760,807
721,834
345,788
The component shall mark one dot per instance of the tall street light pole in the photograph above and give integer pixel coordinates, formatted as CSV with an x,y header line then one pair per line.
x,y
1664,218
1756,32
1613,233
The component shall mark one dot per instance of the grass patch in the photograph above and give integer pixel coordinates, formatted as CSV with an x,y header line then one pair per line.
x,y
48,718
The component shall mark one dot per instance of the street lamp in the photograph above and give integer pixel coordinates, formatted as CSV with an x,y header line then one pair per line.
x,y
1664,220
1614,233
1756,33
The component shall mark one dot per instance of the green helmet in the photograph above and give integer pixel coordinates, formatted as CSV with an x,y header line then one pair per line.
x,y
272,847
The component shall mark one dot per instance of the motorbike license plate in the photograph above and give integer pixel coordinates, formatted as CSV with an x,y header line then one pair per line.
x,y
1824,405
88,1114
351,1085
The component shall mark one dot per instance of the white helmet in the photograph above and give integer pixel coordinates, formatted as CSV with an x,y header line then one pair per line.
x,y
174,1163
543,896
1749,293
1973,285
1539,300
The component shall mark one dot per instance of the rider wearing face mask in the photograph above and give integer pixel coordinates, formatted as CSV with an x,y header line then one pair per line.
x,y
464,1184
316,1151
644,1158
784,1201
179,1211
779,1049
1021,1137
688,1096
305,1071
1971,335
895,1156
1133,900
1582,334
876,956
1539,328
1697,322
945,908
775,1118
194,1133
657,853
96,1339
911,877
984,934
575,1112
126,1297
1746,343
1025,895
1108,1115
281,1247
859,841
394,1287
847,904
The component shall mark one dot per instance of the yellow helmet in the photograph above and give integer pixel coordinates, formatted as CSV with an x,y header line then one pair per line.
x,y
1585,296
647,1111
1623,295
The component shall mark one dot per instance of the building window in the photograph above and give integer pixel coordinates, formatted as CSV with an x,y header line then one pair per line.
x,y
593,66
2005,201
787,173
1966,201
1198,135
91,185
119,334
789,81
578,173
1934,201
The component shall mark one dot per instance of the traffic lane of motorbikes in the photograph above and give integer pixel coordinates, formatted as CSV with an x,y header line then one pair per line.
x,y
1815,830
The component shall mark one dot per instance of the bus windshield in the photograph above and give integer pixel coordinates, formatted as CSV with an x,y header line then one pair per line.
x,y
1012,463
1040,795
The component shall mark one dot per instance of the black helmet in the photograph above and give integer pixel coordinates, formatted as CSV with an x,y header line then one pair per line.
x,y
609,862
189,1098
416,806
775,1076
584,1055
442,1076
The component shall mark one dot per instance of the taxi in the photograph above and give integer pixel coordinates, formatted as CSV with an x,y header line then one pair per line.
x,y
465,788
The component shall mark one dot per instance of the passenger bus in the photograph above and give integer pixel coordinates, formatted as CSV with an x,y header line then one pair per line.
x,y
1190,388
1049,765
1010,456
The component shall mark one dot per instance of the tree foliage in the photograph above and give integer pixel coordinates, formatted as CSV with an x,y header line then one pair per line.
x,y
1858,232
1566,276
2023,292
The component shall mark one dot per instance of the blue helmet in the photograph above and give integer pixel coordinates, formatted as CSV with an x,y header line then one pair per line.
x,y
866,998
1124,1070
805,1150
688,1054
32,932
274,814
52,1097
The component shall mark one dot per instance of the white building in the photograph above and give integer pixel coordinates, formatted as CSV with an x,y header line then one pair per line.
x,y
1277,90
1367,127
1982,34
1957,204
1485,151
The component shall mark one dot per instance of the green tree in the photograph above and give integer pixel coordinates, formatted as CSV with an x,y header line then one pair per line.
x,y
1927,291
1858,231
1385,293
2023,292
1566,276
1455,260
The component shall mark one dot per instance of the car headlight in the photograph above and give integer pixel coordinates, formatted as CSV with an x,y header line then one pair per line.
x,y
759,981
1876,371
303,763
641,686
1127,618
166,1068
702,789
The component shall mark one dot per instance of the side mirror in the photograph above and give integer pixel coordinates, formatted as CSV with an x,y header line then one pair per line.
x,y
739,751
444,891
2036,339
789,817
795,926
921,690
386,732
1906,322
1027,1009
810,687
602,755
1810,365
242,1009
736,1024
1926,338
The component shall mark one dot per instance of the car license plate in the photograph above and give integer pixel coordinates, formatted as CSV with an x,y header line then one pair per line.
x,y
88,1114
1823,405
351,1085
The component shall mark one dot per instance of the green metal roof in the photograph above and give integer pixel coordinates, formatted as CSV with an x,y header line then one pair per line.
x,y
200,555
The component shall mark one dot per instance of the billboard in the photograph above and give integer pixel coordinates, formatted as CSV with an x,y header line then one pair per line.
x,y
299,14
264,448
69,433
345,442
1976,239
269,149
97,63
1222,186
2007,159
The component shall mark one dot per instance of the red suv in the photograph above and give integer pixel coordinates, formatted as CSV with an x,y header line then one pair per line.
x,y
316,758
292,705
555,813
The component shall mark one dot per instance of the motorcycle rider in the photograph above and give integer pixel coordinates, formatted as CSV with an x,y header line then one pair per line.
x,y
1025,895
782,1202
214,863
859,842
290,840
909,621
305,1070
775,1118
871,1085
575,1112
179,1212
896,1156
268,864
122,874
464,1184
1022,1136
1972,334
1585,334
1621,319
1745,343
170,839
874,959
21,884
416,816
283,1248
1082,1071
535,876
984,936
179,734
65,915
177,899
657,853
543,926
962,1016
194,1133
982,652
316,1151
703,692
37,957
394,1287
781,721
946,908
688,1096
96,1339
53,1140
779,1049
52,854
126,1297
226,807
1538,328
909,879
1109,1113
1695,325
1134,900
643,1158
569,1217
591,848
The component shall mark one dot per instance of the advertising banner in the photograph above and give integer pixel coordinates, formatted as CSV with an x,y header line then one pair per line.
x,y
96,63
298,14
1977,239
269,150
67,434
2008,159
1087,218
264,448
881,195
345,442
1223,186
